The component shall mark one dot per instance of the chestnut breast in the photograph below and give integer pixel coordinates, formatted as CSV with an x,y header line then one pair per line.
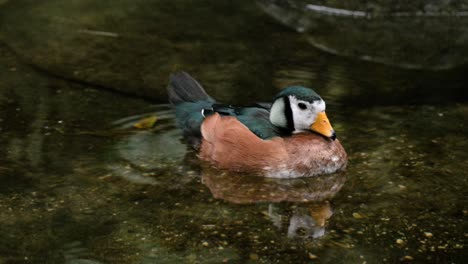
x,y
228,144
311,154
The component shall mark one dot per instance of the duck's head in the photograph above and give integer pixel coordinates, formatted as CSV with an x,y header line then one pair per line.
x,y
300,109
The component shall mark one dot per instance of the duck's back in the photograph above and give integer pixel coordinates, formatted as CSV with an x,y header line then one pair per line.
x,y
193,104
255,117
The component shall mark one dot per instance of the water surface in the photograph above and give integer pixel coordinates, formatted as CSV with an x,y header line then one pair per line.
x,y
79,184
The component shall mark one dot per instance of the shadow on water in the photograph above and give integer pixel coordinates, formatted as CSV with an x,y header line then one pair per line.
x,y
81,184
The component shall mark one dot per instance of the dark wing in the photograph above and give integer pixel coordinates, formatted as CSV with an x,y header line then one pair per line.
x,y
256,118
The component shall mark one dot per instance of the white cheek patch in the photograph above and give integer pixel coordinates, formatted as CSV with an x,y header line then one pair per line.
x,y
277,116
304,118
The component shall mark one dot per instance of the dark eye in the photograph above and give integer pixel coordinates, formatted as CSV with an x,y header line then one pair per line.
x,y
302,106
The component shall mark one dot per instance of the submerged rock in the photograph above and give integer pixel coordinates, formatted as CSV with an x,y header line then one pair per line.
x,y
412,35
133,46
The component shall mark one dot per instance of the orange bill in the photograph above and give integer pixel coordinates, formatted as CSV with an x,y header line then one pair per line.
x,y
323,126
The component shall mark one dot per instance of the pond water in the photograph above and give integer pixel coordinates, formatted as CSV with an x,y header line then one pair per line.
x,y
81,185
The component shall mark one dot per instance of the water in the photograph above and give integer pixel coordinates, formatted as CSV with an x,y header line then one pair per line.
x,y
79,184
387,32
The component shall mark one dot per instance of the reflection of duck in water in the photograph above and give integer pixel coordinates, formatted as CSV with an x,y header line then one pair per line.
x,y
288,139
307,220
306,217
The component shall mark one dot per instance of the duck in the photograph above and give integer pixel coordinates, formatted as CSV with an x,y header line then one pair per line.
x,y
289,138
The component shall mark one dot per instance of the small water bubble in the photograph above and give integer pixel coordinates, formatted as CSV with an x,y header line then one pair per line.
x,y
300,29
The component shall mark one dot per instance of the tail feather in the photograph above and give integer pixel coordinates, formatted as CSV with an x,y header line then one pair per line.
x,y
189,99
183,88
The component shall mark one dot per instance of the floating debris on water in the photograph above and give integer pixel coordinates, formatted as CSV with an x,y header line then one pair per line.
x,y
428,234
253,256
358,216
146,123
